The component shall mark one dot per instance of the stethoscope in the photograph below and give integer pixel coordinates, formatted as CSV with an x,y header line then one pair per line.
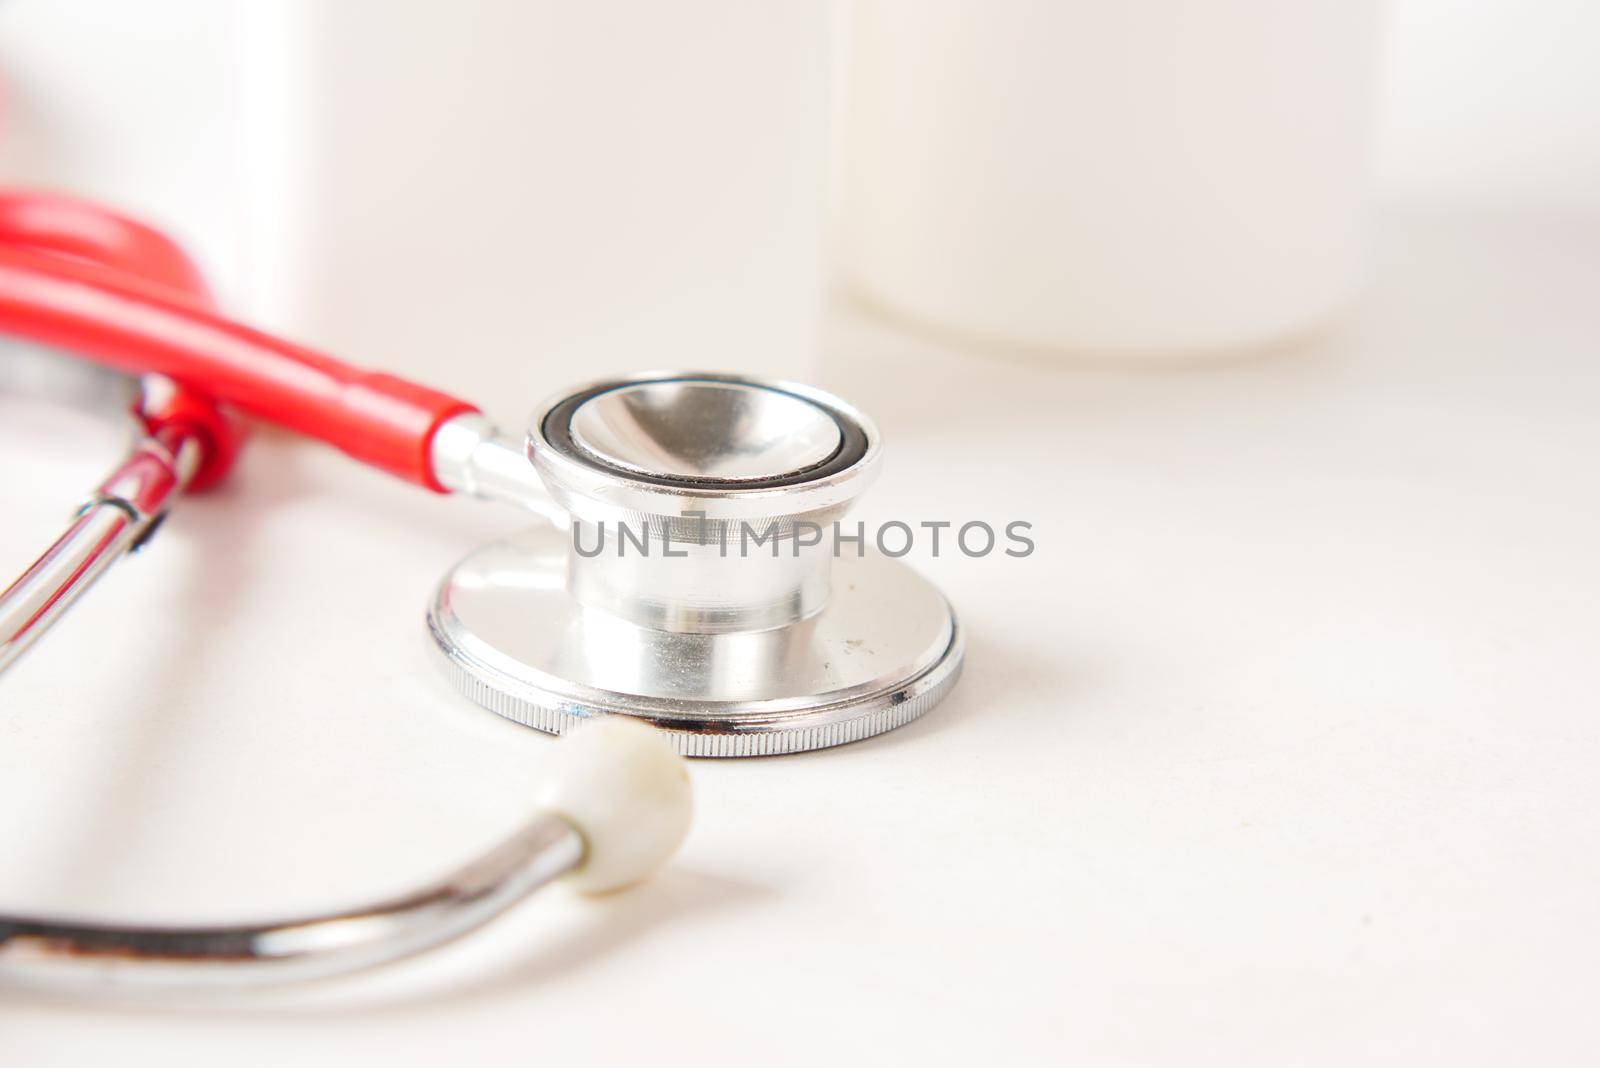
x,y
641,601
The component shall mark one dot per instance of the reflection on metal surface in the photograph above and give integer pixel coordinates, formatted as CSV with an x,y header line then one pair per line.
x,y
711,431
117,517
99,955
775,650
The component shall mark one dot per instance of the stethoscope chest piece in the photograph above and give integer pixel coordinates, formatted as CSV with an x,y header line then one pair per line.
x,y
705,583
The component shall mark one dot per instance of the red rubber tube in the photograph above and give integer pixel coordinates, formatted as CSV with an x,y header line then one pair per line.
x,y
77,277
66,227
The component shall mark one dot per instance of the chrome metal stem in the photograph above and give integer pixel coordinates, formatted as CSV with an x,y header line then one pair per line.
x,y
473,456
99,955
116,519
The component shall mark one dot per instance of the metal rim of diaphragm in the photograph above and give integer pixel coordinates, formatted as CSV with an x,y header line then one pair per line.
x,y
509,636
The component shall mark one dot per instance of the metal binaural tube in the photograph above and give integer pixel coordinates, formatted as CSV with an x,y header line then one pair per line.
x,y
100,955
120,513
48,588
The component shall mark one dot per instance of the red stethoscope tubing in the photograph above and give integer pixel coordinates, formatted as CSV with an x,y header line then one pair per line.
x,y
77,277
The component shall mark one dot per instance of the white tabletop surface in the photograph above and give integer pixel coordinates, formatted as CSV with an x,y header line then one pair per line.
x,y
1281,748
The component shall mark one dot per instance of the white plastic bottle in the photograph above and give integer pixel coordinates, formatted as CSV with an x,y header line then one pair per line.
x,y
1141,177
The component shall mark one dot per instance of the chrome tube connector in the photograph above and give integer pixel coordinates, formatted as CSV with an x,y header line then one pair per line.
x,y
473,456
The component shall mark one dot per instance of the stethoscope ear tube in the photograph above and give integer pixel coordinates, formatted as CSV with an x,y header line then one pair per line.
x,y
122,956
178,431
78,278
167,410
615,803
49,227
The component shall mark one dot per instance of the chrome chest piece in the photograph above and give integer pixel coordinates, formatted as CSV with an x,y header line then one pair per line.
x,y
699,584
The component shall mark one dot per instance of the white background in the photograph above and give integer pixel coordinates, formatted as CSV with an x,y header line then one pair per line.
x,y
1491,102
1279,750
1481,103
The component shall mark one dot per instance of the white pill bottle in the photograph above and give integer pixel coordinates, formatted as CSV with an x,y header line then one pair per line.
x,y
1140,178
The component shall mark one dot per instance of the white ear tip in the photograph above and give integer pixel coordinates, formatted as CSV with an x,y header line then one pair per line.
x,y
627,792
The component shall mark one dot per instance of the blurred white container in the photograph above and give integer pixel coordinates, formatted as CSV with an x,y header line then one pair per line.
x,y
510,196
1153,176
500,197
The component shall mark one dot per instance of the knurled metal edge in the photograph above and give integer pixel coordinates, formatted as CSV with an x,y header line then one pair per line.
x,y
884,712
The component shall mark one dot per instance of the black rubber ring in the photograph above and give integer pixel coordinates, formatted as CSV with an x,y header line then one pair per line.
x,y
557,430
